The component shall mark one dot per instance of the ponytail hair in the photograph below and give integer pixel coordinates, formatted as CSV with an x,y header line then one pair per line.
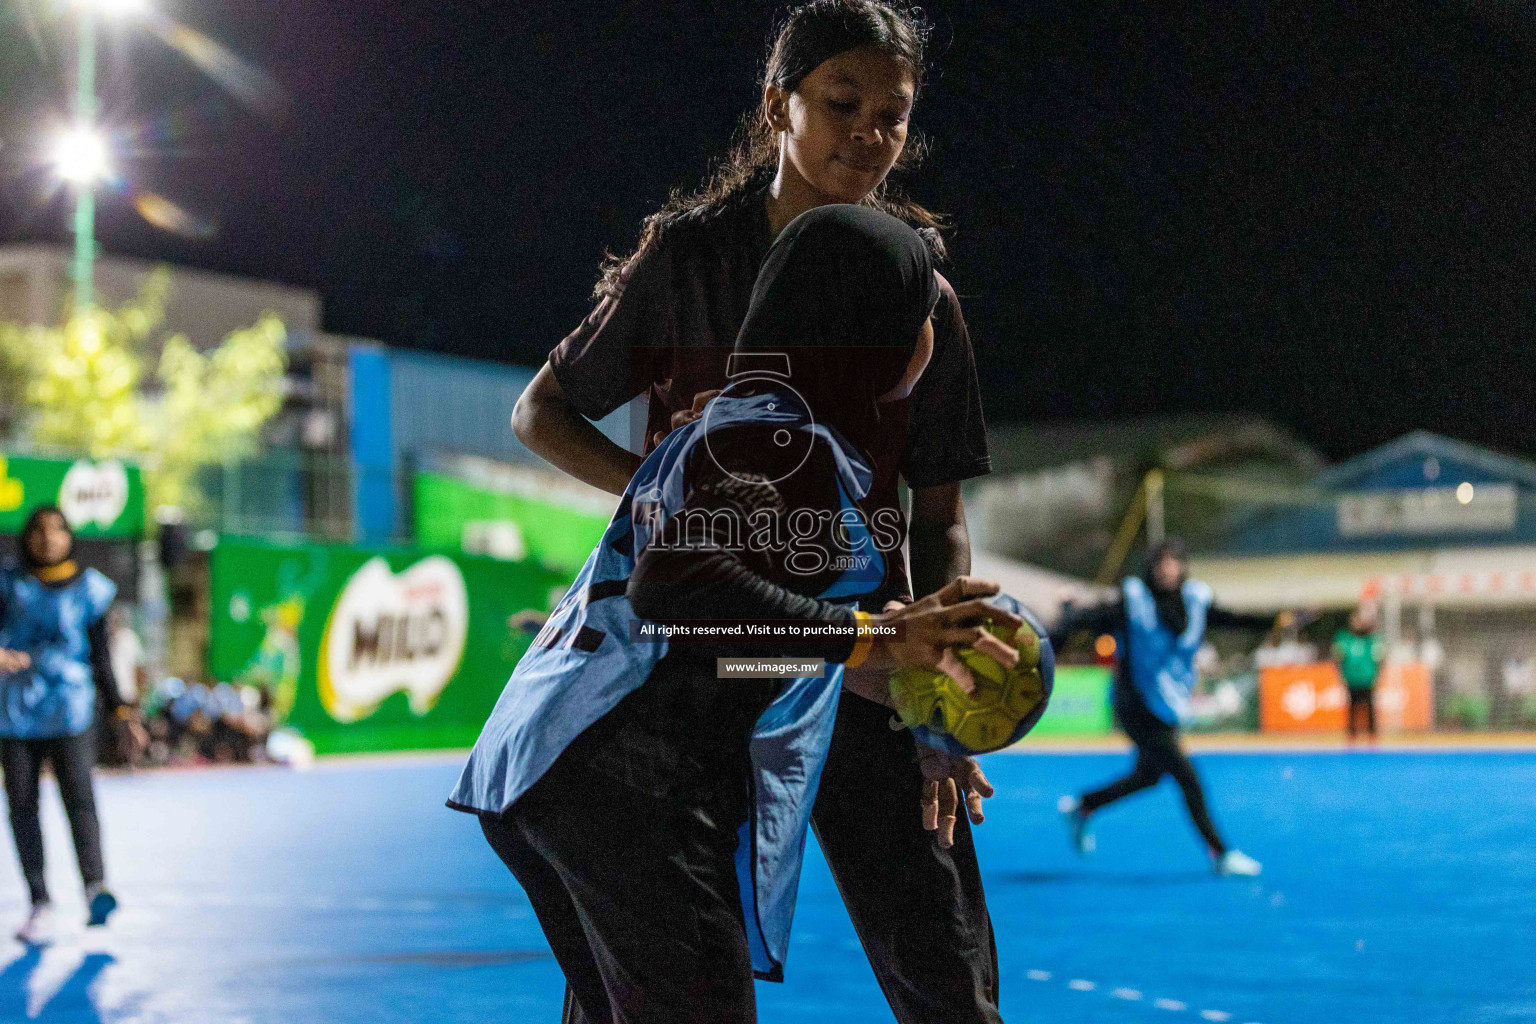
x,y
809,35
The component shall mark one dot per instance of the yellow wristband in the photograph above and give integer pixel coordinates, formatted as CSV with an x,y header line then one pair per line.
x,y
864,642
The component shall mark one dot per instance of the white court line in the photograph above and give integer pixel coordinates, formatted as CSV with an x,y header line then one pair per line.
x,y
1132,995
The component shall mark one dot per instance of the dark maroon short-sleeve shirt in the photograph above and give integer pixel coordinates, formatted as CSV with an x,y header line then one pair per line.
x,y
674,319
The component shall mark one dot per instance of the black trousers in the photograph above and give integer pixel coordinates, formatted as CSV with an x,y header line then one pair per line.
x,y
72,758
1157,754
1362,698
636,895
919,910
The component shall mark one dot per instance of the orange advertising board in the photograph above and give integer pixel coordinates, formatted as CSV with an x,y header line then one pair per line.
x,y
1302,698
1312,698
1405,698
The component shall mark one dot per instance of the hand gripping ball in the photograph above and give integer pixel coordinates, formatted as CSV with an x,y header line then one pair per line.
x,y
1006,704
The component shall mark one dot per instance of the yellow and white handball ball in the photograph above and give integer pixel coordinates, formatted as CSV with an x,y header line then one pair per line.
x,y
1005,704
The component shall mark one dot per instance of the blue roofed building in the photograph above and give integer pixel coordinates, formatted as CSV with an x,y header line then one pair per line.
x,y
1420,489
1439,533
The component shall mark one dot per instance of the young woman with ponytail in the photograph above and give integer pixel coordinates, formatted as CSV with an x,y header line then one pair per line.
x,y
838,91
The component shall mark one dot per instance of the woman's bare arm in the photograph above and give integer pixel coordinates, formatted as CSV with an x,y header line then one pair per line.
x,y
553,430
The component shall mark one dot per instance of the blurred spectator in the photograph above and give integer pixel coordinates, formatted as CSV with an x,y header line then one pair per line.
x,y
1359,652
222,723
123,741
126,653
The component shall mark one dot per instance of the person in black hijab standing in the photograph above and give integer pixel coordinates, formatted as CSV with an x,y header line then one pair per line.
x,y
54,661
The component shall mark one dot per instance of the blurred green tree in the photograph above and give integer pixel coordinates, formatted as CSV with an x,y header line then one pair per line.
x,y
87,386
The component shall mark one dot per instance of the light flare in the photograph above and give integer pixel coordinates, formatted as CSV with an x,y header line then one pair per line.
x,y
81,156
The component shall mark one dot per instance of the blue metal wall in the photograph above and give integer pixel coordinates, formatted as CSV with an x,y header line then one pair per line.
x,y
409,406
375,505
438,403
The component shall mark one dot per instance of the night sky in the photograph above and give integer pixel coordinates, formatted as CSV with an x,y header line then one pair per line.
x,y
1323,213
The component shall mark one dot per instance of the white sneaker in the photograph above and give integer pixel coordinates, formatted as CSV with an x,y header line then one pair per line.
x,y
1236,862
1071,809
38,928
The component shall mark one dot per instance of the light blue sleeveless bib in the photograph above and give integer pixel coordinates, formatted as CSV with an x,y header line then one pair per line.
x,y
57,695
1162,666
583,663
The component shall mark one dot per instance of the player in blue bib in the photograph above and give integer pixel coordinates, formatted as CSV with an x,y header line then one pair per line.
x,y
1159,624
653,805
54,661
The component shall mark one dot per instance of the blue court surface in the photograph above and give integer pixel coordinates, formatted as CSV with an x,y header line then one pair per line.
x,y
1399,887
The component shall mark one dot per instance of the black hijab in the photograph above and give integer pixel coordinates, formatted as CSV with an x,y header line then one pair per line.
x,y
843,292
1170,603
24,538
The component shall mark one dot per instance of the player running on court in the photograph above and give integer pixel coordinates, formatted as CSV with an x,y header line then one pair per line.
x,y
1159,622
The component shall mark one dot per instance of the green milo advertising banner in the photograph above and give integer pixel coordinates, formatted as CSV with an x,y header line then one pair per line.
x,y
370,649
99,498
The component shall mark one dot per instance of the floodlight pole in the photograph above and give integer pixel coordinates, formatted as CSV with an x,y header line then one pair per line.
x,y
1153,485
85,195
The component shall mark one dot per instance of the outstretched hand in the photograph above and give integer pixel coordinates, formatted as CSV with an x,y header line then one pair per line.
x,y
946,780
928,630
14,661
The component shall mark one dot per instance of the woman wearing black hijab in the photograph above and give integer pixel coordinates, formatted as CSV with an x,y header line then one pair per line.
x,y
1159,623
627,843
53,663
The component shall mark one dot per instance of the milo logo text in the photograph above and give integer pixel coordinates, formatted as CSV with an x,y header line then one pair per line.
x,y
397,638
392,633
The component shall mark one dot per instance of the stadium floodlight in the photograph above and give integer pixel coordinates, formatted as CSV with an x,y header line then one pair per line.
x,y
81,156
114,8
